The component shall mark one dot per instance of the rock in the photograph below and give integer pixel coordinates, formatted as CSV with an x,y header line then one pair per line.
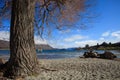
x,y
90,54
107,55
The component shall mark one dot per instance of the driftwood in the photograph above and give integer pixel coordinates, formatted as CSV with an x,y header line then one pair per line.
x,y
105,55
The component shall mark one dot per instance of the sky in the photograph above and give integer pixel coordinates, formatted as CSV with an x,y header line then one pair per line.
x,y
103,28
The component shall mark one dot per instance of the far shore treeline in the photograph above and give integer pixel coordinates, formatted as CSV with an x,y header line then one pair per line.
x,y
103,46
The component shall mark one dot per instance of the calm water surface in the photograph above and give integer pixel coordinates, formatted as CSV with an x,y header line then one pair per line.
x,y
57,54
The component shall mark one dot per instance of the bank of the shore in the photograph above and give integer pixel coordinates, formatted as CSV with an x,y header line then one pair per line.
x,y
78,69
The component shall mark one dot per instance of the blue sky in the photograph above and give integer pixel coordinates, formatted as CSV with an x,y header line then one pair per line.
x,y
104,27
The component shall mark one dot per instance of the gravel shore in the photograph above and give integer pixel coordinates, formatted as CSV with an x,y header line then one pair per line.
x,y
78,69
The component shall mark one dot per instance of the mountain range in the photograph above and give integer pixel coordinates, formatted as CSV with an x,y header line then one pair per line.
x,y
5,45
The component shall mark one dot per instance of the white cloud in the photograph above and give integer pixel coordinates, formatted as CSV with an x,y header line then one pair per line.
x,y
38,40
116,34
81,41
94,42
90,42
102,38
4,35
106,34
74,38
65,31
60,46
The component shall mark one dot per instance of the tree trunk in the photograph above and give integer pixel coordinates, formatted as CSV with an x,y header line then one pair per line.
x,y
23,59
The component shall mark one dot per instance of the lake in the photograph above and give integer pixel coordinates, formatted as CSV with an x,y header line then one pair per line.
x,y
59,53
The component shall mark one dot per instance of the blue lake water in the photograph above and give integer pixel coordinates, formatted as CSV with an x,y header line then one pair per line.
x,y
58,54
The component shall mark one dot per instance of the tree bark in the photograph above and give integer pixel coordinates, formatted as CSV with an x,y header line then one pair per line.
x,y
23,60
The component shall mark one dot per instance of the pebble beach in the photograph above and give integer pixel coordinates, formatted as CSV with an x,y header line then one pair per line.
x,y
78,69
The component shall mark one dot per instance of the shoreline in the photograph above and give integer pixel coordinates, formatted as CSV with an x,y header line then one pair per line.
x,y
6,57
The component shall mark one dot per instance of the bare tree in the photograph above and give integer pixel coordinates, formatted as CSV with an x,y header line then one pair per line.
x,y
25,14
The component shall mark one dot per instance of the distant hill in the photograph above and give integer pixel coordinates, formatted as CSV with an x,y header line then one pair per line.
x,y
105,46
43,46
5,45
